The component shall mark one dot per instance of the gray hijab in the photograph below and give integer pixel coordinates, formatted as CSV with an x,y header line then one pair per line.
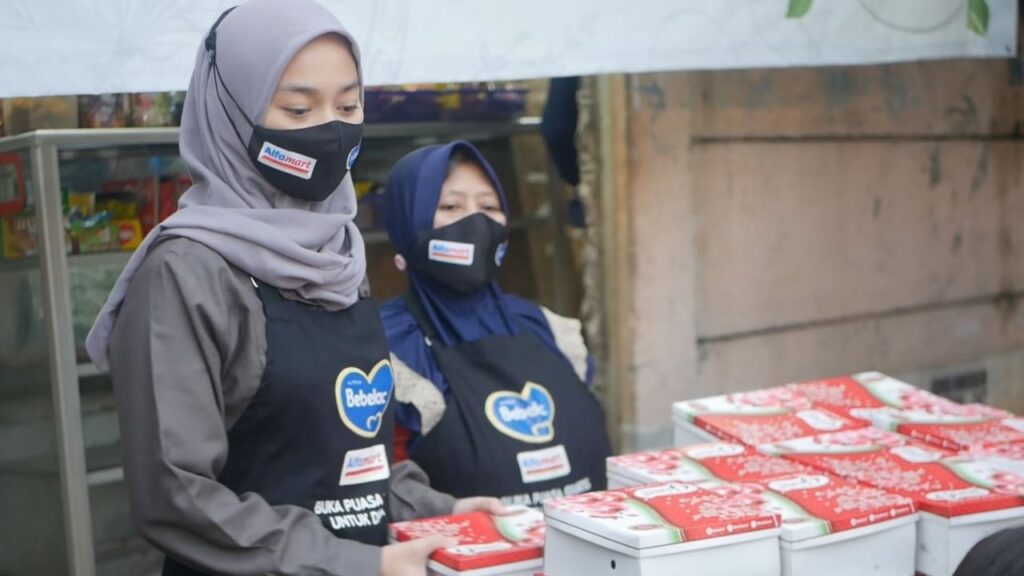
x,y
310,248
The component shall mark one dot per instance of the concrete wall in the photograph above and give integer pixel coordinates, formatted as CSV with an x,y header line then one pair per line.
x,y
791,224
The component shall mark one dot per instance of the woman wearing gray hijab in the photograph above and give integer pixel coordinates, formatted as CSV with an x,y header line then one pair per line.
x,y
250,368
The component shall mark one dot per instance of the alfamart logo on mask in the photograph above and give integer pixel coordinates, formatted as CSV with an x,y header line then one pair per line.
x,y
287,161
459,253
528,416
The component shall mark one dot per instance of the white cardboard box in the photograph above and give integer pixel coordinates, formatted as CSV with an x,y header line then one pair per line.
x,y
943,542
961,499
666,529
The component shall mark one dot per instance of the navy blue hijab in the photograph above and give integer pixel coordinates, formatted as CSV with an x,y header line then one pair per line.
x,y
411,197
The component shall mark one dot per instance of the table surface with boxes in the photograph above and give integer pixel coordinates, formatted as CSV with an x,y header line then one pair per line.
x,y
846,476
73,205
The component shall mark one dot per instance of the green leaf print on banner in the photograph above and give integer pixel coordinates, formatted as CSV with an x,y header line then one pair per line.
x,y
977,16
797,8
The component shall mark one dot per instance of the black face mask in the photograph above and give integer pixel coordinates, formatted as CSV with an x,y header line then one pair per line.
x,y
463,256
308,163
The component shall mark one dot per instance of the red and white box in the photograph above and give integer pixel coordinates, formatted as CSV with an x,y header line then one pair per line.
x,y
664,529
839,527
961,499
957,428
859,395
754,418
511,545
725,461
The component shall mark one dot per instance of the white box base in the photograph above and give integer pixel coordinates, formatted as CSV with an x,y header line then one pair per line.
x,y
688,434
880,550
943,542
569,551
616,481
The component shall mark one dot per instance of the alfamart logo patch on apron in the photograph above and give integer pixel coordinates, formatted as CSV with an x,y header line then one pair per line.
x,y
528,416
287,161
363,398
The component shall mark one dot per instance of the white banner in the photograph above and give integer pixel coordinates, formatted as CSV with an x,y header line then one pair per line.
x,y
52,47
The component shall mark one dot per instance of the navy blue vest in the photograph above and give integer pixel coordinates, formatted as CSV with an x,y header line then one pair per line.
x,y
518,423
318,434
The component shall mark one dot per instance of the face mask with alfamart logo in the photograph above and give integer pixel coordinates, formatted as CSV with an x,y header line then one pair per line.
x,y
463,256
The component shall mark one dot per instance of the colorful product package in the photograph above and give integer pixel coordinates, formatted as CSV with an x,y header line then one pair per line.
x,y
511,545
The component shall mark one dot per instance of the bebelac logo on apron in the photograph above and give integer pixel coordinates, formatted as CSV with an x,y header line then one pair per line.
x,y
528,416
363,398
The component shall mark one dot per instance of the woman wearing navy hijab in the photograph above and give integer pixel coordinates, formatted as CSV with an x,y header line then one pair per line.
x,y
492,390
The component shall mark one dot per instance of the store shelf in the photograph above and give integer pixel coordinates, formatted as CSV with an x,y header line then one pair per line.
x,y
465,130
119,258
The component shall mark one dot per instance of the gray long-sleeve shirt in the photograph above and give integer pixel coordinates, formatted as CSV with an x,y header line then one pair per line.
x,y
187,355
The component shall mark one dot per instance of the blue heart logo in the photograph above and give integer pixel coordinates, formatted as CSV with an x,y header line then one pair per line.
x,y
528,416
363,399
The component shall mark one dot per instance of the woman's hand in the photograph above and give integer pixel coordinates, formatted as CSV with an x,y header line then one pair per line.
x,y
480,504
410,558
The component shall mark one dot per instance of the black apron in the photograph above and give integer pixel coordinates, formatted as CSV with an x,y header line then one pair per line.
x,y
518,423
319,432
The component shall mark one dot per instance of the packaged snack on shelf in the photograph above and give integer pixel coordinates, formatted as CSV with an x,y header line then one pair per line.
x,y
961,499
103,111
13,190
723,461
19,235
662,529
26,114
754,418
151,109
510,545
96,233
129,233
859,395
154,210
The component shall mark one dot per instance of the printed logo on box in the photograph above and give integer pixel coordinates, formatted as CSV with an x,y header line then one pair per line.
x,y
799,483
287,161
819,420
546,464
721,450
365,465
916,454
957,495
671,489
448,252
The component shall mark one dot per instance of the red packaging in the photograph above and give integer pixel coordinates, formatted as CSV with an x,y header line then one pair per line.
x,y
515,541
728,462
858,395
759,417
654,515
937,482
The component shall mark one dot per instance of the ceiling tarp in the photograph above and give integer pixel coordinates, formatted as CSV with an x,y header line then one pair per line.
x,y
52,47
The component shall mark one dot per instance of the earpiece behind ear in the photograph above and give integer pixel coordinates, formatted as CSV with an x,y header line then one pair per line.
x,y
211,36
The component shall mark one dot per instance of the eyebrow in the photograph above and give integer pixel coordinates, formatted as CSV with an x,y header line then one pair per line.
x,y
309,90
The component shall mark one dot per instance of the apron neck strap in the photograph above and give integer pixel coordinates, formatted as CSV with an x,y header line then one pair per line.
x,y
416,309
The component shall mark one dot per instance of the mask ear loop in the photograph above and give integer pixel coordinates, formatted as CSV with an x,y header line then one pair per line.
x,y
211,50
